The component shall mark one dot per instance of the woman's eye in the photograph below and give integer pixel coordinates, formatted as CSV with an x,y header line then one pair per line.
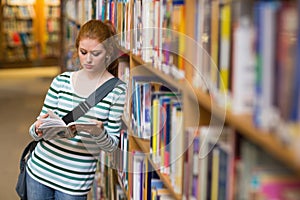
x,y
83,52
96,53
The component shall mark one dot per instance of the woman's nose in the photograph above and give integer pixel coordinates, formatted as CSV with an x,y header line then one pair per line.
x,y
89,57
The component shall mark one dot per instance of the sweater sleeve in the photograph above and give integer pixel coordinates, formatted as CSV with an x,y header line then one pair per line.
x,y
108,140
108,143
50,102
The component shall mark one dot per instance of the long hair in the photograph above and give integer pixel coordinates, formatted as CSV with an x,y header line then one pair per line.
x,y
103,32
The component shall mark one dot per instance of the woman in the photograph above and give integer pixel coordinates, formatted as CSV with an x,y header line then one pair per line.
x,y
65,168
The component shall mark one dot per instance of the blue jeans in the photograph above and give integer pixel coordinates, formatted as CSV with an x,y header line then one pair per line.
x,y
38,191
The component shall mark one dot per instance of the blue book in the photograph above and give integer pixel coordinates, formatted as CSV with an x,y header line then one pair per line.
x,y
295,111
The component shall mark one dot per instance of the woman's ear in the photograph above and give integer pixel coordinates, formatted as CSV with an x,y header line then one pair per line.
x,y
107,60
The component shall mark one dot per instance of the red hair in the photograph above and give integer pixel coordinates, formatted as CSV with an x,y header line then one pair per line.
x,y
102,32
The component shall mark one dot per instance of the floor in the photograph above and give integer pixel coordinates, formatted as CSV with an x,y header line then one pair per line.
x,y
21,96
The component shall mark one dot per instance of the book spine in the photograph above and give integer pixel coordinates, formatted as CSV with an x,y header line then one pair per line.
x,y
243,70
295,115
225,11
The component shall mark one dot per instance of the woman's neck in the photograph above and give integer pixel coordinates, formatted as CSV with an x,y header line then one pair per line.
x,y
90,76
85,83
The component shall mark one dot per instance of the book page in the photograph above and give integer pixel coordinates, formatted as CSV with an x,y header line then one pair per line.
x,y
88,127
54,127
57,132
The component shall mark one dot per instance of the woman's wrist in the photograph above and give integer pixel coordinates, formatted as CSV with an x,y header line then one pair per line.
x,y
99,135
33,132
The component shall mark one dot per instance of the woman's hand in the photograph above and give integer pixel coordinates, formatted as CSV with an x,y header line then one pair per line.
x,y
99,124
38,123
95,128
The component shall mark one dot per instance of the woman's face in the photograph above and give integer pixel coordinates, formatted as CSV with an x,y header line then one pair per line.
x,y
91,55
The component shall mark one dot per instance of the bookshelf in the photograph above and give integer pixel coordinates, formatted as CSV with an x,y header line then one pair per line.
x,y
52,29
74,13
22,34
18,36
226,66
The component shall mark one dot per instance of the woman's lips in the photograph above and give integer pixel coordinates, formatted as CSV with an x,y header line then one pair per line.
x,y
88,66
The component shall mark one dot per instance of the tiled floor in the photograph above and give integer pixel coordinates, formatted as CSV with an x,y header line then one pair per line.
x,y
21,96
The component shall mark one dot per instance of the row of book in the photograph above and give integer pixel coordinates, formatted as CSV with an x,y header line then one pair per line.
x,y
24,38
146,184
18,26
217,164
52,11
79,11
208,163
158,33
20,46
225,56
221,165
106,185
267,66
17,39
119,13
52,3
76,13
259,176
151,29
146,91
157,116
53,25
220,28
19,12
276,63
19,2
20,54
51,51
71,29
52,37
137,175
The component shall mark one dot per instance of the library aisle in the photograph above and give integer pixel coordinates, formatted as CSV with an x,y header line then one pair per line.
x,y
21,96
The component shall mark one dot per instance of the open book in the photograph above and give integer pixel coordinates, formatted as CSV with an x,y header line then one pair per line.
x,y
54,127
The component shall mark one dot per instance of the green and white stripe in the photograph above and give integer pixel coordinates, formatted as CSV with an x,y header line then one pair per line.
x,y
69,165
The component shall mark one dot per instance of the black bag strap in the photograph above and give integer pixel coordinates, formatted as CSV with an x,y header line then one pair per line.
x,y
92,100
26,153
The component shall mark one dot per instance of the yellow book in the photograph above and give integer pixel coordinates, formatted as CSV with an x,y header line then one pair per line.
x,y
225,48
215,174
155,129
162,193
153,194
181,37
178,25
145,188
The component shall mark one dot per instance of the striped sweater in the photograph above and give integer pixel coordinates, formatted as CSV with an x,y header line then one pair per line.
x,y
69,165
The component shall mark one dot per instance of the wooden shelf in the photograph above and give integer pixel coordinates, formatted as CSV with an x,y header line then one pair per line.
x,y
162,76
144,145
242,123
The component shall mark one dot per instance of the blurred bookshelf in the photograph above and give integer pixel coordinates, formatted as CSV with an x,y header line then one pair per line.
x,y
30,33
225,77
